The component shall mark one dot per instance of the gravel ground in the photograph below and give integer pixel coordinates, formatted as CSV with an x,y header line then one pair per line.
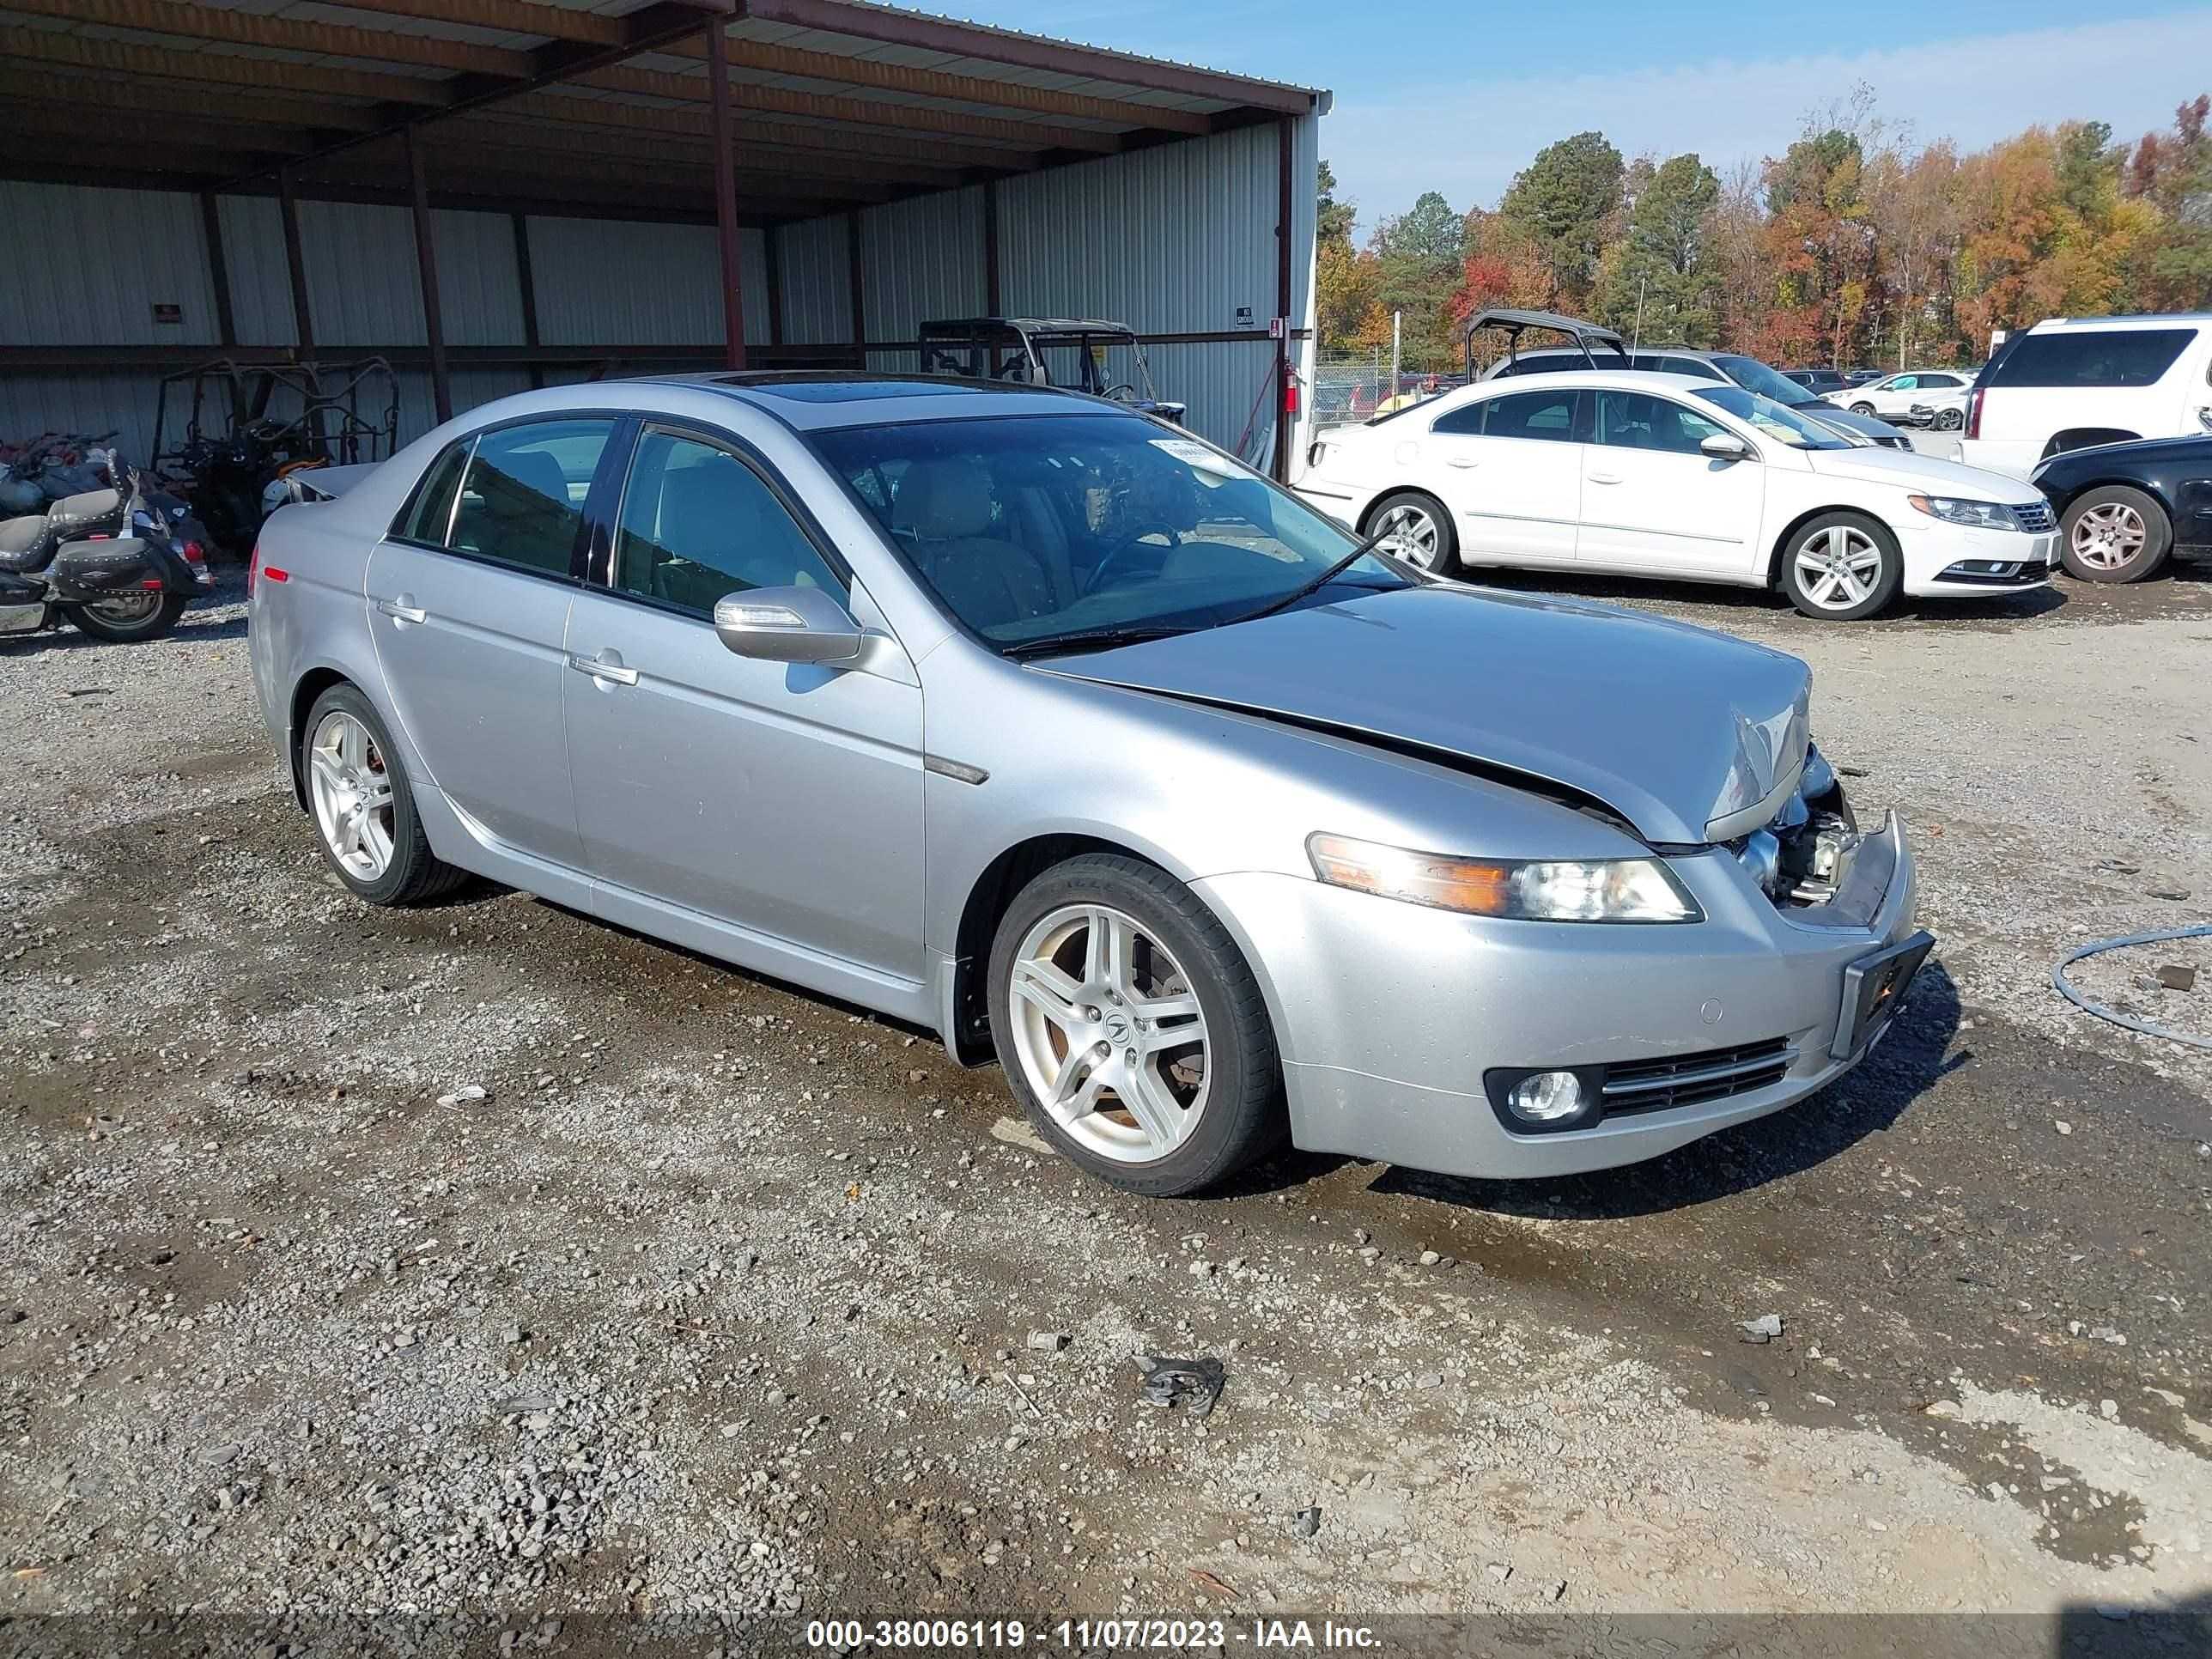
x,y
724,1299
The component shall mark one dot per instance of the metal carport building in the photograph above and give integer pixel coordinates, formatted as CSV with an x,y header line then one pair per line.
x,y
494,194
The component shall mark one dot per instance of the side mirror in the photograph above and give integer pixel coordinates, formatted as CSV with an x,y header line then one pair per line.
x,y
787,624
1726,446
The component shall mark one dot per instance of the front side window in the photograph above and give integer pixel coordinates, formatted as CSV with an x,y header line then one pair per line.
x,y
522,498
1046,532
1901,383
697,523
2091,357
1773,419
1636,420
1545,415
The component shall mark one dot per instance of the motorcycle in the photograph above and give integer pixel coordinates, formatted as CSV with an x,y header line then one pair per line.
x,y
120,565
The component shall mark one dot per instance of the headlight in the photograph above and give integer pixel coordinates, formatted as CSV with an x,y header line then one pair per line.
x,y
1979,515
1525,890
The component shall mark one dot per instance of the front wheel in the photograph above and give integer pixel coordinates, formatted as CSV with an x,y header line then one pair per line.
x,y
1861,408
1416,528
1131,1028
1841,567
130,619
2115,534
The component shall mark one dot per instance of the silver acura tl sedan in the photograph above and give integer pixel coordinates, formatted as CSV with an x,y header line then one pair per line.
x,y
1019,715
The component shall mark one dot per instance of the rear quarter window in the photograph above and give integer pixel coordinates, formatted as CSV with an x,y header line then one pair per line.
x,y
2091,357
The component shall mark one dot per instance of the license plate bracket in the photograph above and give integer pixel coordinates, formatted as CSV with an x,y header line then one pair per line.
x,y
1873,990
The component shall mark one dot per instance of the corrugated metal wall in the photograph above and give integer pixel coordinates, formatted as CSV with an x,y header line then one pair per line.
x,y
1175,239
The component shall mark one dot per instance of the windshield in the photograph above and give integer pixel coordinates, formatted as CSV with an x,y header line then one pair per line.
x,y
1034,528
1771,417
1752,375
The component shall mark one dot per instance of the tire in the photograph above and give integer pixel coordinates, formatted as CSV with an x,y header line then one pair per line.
x,y
1427,537
1948,419
1861,408
1174,955
1871,570
2114,534
154,622
395,865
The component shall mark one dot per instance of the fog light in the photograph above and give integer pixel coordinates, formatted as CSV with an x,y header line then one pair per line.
x,y
1546,1096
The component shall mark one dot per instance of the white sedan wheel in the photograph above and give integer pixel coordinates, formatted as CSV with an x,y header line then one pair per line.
x,y
1839,567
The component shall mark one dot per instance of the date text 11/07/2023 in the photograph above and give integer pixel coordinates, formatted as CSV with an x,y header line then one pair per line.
x,y
1134,1635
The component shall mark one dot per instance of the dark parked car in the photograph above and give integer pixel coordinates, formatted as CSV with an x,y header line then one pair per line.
x,y
2122,508
1821,382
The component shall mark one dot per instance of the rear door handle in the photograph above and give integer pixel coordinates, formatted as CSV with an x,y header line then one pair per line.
x,y
403,609
1605,478
599,669
1461,460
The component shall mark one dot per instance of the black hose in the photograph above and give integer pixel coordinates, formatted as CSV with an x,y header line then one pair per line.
x,y
2066,989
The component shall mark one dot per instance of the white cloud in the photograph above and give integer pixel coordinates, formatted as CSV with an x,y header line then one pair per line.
x,y
1468,138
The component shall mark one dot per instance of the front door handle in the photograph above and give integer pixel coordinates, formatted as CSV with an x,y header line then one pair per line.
x,y
600,668
1605,478
404,609
1462,460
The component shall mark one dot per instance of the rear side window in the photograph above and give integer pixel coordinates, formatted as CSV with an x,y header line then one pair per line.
x,y
1547,416
522,498
428,516
1934,382
2091,357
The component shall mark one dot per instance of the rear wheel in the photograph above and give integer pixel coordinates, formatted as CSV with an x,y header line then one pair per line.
x,y
1842,567
130,617
2115,534
1948,420
364,807
1416,528
1131,1028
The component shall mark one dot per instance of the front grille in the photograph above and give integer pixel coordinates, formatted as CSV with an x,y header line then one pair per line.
x,y
2035,517
1654,1085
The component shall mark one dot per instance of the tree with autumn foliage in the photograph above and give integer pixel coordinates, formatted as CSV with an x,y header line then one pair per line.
x,y
1853,247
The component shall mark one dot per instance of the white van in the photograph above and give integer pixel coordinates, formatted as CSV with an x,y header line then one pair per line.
x,y
2073,381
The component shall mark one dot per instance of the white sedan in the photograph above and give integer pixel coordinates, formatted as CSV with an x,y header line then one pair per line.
x,y
1659,475
1896,397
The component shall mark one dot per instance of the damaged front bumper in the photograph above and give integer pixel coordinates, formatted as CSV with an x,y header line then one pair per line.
x,y
1400,1026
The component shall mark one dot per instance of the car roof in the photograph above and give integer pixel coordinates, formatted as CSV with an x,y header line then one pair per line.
x,y
2139,320
819,399
1632,379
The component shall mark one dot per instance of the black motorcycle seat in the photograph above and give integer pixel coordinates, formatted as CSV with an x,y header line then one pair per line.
x,y
92,504
27,542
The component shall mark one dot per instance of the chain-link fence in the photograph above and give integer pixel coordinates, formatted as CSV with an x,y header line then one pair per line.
x,y
1351,386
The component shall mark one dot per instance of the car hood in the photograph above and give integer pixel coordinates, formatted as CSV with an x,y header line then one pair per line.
x,y
1909,470
2150,451
1689,736
1844,420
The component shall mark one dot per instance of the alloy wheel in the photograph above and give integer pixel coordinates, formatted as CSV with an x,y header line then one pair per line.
x,y
1410,533
1108,1033
2106,537
1838,567
352,793
127,611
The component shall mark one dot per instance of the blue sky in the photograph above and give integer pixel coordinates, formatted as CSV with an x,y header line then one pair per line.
x,y
1446,94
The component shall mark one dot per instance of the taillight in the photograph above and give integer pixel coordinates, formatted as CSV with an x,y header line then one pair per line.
x,y
1974,413
252,567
